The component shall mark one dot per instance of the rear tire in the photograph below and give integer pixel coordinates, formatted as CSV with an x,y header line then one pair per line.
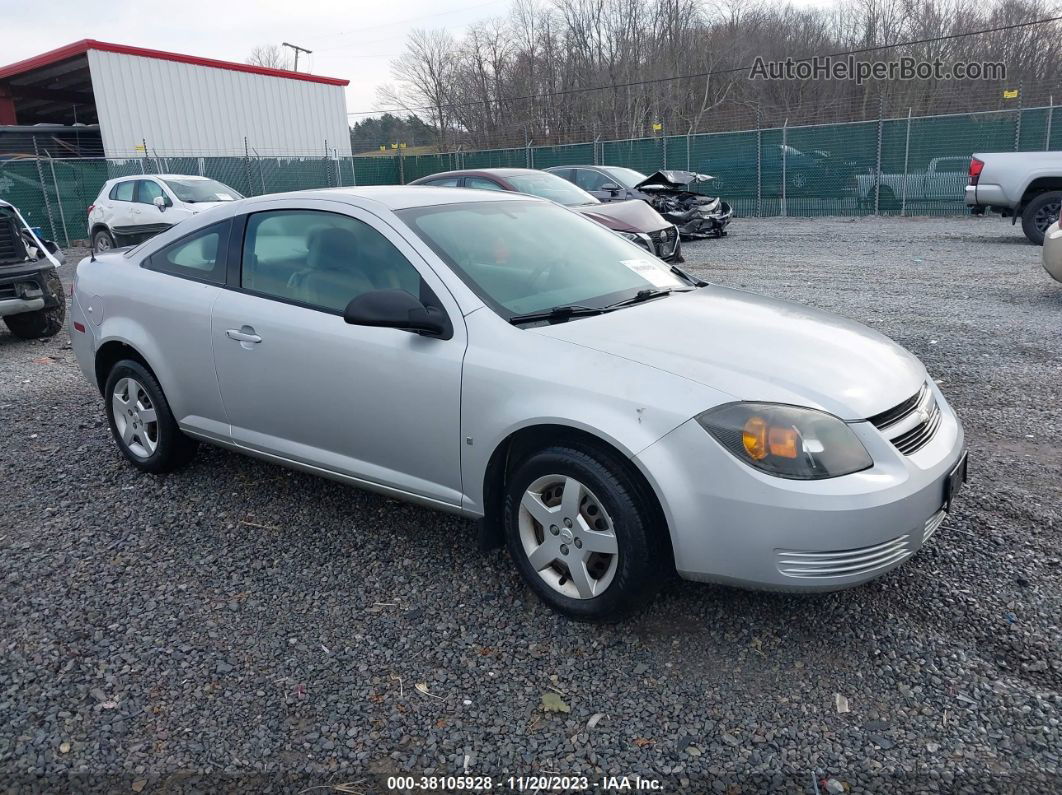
x,y
102,240
1039,214
141,421
43,322
595,553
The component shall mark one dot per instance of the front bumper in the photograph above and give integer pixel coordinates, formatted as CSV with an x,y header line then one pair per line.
x,y
731,523
712,224
25,289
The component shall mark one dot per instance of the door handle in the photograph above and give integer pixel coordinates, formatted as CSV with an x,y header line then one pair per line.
x,y
245,334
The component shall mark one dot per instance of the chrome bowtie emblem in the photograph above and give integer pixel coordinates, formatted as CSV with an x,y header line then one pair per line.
x,y
923,415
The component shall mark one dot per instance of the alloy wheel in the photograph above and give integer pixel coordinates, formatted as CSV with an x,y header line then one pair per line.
x,y
135,418
1047,215
568,537
103,242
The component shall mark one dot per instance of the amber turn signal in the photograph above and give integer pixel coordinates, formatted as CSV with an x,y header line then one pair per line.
x,y
754,437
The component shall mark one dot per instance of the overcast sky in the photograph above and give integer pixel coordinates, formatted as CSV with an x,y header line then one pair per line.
x,y
354,40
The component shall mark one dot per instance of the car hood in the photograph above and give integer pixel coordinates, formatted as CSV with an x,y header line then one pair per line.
x,y
757,348
673,180
633,215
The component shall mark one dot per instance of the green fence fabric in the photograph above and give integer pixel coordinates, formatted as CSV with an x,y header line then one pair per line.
x,y
913,166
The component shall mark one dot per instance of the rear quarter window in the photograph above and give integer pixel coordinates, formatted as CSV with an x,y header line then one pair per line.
x,y
123,191
199,256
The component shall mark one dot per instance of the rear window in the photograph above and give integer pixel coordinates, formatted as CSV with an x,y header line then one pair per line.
x,y
123,191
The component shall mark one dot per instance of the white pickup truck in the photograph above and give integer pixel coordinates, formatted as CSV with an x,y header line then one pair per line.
x,y
943,178
1026,185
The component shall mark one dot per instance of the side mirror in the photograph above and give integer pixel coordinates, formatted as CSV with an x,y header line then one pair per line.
x,y
397,309
611,187
161,202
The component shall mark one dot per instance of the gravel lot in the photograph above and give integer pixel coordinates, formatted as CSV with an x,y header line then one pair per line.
x,y
240,626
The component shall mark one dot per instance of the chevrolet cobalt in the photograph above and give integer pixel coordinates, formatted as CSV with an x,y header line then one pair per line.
x,y
614,419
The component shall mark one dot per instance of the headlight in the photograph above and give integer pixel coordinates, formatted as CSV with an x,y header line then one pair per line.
x,y
638,238
787,441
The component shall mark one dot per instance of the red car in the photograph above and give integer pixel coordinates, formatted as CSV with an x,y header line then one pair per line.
x,y
633,219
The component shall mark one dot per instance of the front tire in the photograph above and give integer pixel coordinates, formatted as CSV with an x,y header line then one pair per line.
x,y
43,322
582,534
1039,214
141,421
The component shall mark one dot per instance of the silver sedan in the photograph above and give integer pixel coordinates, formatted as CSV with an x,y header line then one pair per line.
x,y
610,418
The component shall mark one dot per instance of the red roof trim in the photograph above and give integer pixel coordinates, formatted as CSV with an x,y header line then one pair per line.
x,y
83,46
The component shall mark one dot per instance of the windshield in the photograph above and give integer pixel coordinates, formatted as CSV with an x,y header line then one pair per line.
x,y
499,250
201,190
552,187
626,177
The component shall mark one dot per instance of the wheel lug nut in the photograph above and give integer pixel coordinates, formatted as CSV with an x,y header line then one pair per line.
x,y
564,549
554,529
567,522
578,543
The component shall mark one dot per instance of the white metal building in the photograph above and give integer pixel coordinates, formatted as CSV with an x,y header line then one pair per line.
x,y
177,104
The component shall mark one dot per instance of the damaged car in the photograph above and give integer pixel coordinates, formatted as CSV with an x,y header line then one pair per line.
x,y
32,303
632,220
667,191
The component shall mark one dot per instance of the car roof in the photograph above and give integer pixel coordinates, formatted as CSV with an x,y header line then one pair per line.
x,y
160,176
497,172
398,197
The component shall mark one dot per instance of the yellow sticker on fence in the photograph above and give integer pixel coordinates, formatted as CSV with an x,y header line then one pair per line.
x,y
1010,93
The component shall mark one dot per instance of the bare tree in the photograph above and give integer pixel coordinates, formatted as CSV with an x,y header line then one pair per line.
x,y
561,71
270,56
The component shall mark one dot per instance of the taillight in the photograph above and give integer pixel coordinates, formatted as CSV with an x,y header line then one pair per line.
x,y
91,208
976,166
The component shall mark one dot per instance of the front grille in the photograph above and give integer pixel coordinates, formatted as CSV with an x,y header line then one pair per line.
x,y
911,424
664,241
842,562
897,413
11,246
918,437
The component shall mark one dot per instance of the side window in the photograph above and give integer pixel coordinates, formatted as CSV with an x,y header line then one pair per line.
x,y
589,180
321,259
123,191
482,184
197,256
563,173
147,190
446,182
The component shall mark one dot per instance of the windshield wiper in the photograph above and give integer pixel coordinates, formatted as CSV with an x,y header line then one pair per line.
x,y
556,313
643,295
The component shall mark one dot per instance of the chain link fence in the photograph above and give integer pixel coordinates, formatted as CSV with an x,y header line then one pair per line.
x,y
895,166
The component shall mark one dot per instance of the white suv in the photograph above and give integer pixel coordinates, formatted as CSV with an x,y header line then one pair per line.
x,y
132,209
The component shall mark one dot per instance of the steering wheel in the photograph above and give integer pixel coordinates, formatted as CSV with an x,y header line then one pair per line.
x,y
540,274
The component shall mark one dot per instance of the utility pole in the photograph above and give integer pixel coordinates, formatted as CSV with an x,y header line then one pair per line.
x,y
297,49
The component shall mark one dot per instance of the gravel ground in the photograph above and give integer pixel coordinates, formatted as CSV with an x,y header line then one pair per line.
x,y
240,626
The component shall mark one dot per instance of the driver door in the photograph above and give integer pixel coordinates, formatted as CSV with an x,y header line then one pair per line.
x,y
593,182
375,405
